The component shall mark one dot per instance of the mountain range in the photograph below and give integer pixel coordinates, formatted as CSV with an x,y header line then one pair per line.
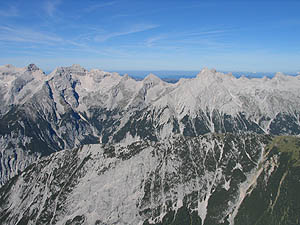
x,y
94,147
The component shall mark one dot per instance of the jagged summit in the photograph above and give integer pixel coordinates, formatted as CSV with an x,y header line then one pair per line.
x,y
96,71
206,69
152,78
206,72
126,76
74,69
77,69
280,76
243,77
115,74
9,66
8,69
32,67
77,66
212,74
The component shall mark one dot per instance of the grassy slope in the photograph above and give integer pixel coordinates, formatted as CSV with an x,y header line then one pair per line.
x,y
276,200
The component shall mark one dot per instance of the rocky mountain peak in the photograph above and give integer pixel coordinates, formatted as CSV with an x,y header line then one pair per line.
x,y
7,69
230,75
126,76
9,66
114,74
96,71
206,69
32,67
280,76
206,72
152,78
77,69
207,76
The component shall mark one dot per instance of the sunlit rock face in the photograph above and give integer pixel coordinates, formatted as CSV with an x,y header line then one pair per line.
x,y
164,151
209,179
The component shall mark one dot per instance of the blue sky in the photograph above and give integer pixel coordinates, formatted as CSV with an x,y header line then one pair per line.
x,y
152,35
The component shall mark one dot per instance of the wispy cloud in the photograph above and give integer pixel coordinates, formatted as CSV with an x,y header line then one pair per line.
x,y
17,34
29,38
150,42
10,11
86,48
132,30
202,36
207,32
50,6
99,5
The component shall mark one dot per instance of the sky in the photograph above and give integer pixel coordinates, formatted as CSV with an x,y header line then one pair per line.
x,y
113,35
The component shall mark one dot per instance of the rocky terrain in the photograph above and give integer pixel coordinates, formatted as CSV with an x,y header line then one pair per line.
x,y
209,179
200,151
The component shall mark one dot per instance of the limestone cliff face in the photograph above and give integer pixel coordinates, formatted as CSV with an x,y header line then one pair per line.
x,y
147,152
42,114
210,179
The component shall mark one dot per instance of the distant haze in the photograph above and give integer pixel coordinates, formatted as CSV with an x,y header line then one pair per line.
x,y
191,74
174,75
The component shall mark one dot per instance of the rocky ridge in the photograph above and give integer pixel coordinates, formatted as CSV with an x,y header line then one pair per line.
x,y
72,106
200,151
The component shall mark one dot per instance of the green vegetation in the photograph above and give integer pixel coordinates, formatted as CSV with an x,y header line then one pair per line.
x,y
275,200
289,145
